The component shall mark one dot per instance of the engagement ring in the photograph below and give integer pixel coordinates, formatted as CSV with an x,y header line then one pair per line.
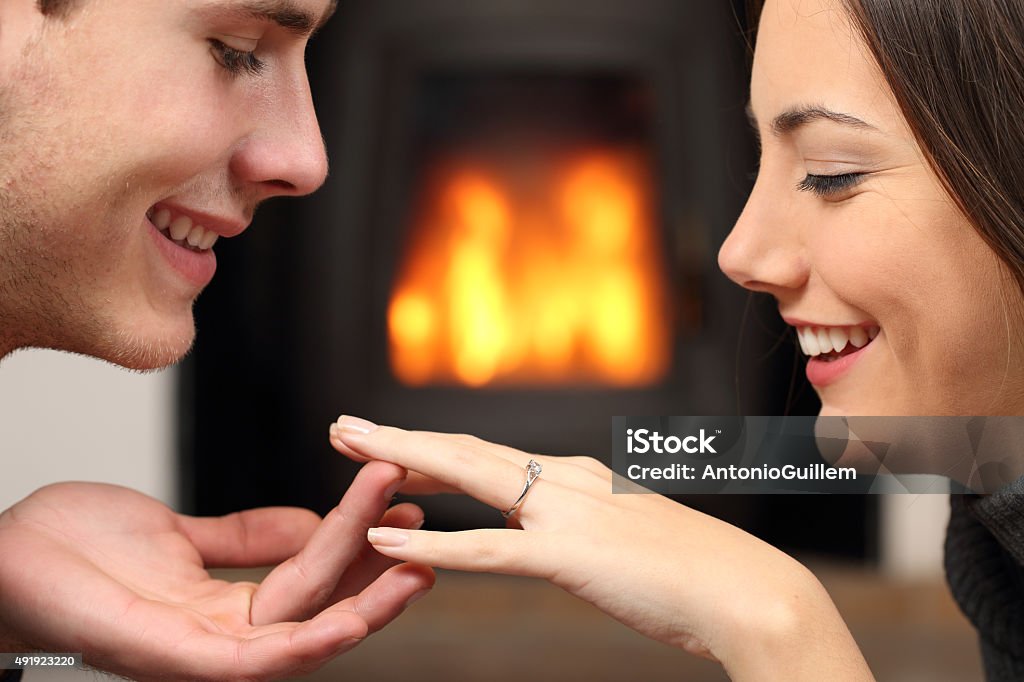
x,y
533,470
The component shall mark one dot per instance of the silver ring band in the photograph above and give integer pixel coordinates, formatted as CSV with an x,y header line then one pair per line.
x,y
533,470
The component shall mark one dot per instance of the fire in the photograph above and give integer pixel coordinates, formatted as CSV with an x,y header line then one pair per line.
x,y
533,278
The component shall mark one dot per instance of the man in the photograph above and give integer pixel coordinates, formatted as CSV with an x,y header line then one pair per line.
x,y
133,135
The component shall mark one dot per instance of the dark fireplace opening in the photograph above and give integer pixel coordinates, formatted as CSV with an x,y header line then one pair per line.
x,y
518,240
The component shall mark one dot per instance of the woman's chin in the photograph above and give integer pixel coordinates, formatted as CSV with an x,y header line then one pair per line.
x,y
828,410
850,403
846,409
835,444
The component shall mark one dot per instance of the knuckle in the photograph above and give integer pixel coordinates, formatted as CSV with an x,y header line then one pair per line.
x,y
341,516
461,462
311,586
239,528
489,555
384,436
580,504
300,572
590,464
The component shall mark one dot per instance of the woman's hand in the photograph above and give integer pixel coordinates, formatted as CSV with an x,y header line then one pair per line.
x,y
118,576
672,573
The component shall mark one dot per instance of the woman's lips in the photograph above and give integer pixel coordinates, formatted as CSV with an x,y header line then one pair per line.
x,y
820,340
833,350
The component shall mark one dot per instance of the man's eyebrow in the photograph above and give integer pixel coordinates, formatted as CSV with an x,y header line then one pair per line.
x,y
794,118
284,13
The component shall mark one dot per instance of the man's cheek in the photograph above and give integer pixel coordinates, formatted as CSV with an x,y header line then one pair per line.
x,y
188,123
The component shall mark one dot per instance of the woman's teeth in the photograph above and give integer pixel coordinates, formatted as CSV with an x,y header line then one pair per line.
x,y
816,341
183,232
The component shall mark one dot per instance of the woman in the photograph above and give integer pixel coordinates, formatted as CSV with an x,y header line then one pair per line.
x,y
888,222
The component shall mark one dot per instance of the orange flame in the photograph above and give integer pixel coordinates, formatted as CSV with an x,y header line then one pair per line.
x,y
507,284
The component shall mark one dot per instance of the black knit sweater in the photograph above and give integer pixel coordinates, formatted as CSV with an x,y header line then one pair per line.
x,y
985,570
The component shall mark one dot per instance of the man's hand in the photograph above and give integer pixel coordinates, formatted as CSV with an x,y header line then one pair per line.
x,y
118,576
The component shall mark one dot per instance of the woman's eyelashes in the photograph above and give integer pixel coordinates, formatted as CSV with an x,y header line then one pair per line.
x,y
235,61
829,185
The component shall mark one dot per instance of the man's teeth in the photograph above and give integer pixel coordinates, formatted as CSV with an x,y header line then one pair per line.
x,y
818,340
183,231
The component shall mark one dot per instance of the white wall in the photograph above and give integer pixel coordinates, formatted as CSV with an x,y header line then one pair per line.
x,y
912,535
69,418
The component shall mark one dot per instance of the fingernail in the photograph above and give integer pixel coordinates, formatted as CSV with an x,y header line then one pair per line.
x,y
355,425
392,489
348,643
417,525
334,430
387,537
416,597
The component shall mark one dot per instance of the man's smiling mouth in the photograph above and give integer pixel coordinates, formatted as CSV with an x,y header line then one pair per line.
x,y
831,343
181,230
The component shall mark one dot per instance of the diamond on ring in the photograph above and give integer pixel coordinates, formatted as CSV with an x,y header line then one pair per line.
x,y
533,469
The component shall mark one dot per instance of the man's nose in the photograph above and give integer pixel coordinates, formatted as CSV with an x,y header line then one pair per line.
x,y
764,251
285,154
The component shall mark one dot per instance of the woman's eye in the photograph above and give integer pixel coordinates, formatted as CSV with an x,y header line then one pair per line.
x,y
236,61
827,185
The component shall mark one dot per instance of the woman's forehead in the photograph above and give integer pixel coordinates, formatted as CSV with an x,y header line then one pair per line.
x,y
810,52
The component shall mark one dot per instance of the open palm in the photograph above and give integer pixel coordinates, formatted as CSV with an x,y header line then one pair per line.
x,y
119,576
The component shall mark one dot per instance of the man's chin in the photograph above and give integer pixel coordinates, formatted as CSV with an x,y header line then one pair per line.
x,y
144,352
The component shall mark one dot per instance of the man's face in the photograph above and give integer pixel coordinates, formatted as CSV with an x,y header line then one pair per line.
x,y
132,133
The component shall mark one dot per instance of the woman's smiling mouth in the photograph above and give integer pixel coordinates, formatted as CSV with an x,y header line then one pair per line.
x,y
833,350
830,343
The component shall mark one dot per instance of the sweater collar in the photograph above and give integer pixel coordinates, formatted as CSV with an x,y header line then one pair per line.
x,y
1002,513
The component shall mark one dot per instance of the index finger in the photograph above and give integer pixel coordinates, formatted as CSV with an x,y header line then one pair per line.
x,y
486,476
303,583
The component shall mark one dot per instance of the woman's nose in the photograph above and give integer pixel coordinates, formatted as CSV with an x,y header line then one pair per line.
x,y
764,251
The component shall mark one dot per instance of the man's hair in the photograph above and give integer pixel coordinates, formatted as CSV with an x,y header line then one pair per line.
x,y
56,8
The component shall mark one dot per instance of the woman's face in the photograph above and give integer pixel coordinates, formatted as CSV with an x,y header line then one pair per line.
x,y
849,229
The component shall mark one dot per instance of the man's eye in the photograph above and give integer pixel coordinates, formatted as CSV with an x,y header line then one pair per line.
x,y
826,185
236,61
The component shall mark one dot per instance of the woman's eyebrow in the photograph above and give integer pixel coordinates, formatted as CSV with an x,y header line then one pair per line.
x,y
794,118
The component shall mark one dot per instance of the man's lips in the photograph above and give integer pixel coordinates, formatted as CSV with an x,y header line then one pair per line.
x,y
185,236
198,228
181,230
196,266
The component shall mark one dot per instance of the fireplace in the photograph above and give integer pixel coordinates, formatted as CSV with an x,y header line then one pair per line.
x,y
517,239
532,254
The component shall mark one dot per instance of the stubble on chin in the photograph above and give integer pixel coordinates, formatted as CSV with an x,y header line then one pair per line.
x,y
142,354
